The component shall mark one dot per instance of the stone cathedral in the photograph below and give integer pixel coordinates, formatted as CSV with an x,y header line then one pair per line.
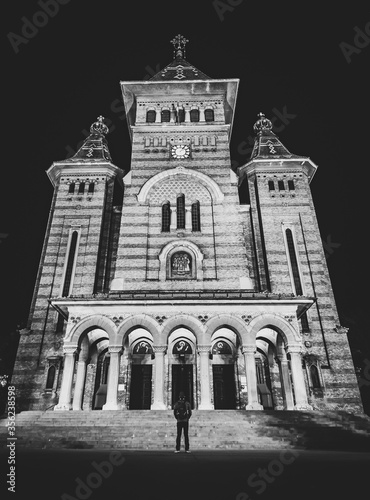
x,y
157,279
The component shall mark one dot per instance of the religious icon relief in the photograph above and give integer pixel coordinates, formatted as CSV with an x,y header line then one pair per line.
x,y
181,265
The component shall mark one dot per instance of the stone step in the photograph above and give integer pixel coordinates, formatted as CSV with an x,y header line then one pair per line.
x,y
213,429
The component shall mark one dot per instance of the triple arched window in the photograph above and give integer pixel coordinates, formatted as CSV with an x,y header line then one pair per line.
x,y
178,114
181,217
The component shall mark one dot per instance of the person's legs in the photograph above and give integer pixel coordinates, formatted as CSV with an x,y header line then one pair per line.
x,y
186,435
178,437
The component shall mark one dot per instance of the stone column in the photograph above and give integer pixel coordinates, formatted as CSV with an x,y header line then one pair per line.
x,y
113,375
300,392
205,387
158,403
67,380
202,117
188,222
158,117
173,221
286,382
79,385
187,115
250,371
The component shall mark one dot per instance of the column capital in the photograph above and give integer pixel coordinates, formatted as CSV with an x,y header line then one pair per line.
x,y
70,349
115,348
294,349
205,348
248,349
159,349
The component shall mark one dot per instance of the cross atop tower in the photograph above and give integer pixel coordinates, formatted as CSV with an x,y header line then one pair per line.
x,y
179,43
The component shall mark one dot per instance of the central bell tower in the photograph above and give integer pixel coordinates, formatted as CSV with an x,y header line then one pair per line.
x,y
180,222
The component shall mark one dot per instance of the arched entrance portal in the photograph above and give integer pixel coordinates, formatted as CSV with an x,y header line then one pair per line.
x,y
140,348
182,364
224,348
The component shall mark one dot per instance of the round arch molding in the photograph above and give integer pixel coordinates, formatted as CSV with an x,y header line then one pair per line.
x,y
277,323
208,183
178,246
90,323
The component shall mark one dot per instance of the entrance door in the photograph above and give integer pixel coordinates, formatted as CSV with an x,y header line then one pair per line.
x,y
182,380
141,387
224,387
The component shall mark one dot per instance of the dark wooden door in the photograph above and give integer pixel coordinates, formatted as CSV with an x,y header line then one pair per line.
x,y
182,380
224,387
141,387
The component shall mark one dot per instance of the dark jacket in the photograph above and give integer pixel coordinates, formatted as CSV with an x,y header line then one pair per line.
x,y
188,409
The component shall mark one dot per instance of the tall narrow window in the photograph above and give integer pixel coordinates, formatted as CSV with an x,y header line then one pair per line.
x,y
209,115
91,187
71,189
70,263
271,186
181,212
194,115
150,116
315,379
165,115
181,115
291,186
81,188
166,217
281,185
195,216
51,377
293,262
304,323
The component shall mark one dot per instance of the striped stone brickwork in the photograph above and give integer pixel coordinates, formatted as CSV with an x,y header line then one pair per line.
x,y
90,215
220,240
274,212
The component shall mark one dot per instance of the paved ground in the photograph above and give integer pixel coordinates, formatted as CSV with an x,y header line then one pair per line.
x,y
203,475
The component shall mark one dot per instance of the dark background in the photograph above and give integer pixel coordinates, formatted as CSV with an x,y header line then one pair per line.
x,y
285,57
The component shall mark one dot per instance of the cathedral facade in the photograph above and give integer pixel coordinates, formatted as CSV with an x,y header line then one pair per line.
x,y
157,279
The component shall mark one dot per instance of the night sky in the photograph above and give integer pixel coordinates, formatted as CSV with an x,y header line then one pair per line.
x,y
291,66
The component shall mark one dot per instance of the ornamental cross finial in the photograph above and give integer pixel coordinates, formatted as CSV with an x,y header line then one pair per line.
x,y
179,43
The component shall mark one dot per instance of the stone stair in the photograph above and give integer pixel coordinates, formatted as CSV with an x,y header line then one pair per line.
x,y
209,430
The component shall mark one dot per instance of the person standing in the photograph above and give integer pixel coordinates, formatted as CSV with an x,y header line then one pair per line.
x,y
182,413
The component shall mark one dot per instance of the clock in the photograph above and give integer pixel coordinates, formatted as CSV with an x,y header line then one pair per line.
x,y
180,151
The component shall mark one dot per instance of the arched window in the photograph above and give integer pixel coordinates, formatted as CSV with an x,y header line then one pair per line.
x,y
271,186
70,263
51,377
81,188
209,115
195,216
181,115
315,379
281,185
165,115
71,189
181,212
166,217
150,116
293,262
91,187
194,115
291,186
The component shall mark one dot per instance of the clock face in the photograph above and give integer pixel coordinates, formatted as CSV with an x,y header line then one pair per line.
x,y
180,151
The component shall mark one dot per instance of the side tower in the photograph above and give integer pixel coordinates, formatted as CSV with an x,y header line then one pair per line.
x,y
289,259
75,260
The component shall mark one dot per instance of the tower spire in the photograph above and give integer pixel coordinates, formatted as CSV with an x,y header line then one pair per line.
x,y
179,43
